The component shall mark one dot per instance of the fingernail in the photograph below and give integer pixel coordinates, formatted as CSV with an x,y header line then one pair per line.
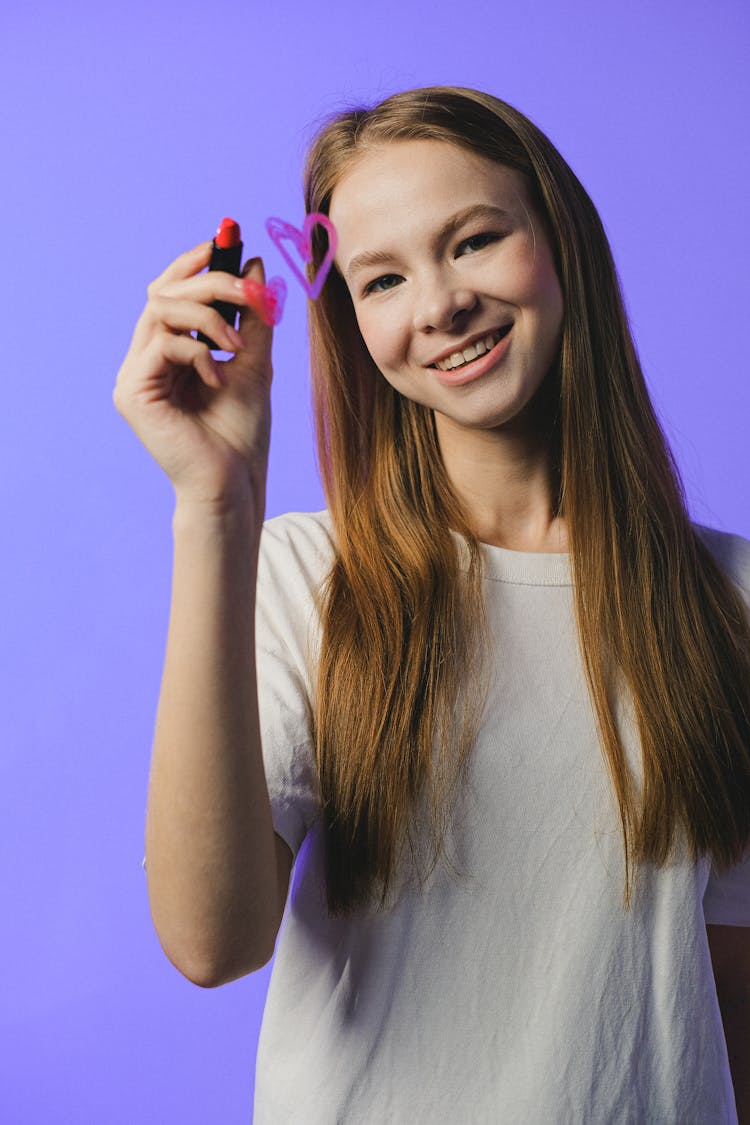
x,y
234,336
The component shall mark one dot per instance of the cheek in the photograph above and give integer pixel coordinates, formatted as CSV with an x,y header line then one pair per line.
x,y
530,275
549,286
382,336
544,286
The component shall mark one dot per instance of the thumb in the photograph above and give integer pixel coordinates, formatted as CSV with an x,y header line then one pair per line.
x,y
254,267
251,312
266,301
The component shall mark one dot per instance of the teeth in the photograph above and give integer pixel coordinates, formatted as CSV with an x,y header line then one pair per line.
x,y
479,347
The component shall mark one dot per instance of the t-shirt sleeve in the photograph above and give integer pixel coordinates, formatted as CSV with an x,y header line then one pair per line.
x,y
726,901
295,552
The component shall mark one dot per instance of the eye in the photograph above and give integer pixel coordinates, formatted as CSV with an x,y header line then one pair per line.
x,y
375,286
482,239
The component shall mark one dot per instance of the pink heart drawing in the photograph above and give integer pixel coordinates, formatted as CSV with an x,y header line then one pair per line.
x,y
279,230
267,300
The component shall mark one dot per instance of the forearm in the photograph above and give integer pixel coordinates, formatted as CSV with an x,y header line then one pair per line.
x,y
210,848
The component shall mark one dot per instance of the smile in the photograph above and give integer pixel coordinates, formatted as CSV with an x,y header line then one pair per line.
x,y
479,347
468,370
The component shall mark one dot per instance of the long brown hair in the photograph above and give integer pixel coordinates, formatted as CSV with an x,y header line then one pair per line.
x,y
399,685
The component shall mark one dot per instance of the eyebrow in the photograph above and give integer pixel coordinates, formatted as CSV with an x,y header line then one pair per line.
x,y
475,211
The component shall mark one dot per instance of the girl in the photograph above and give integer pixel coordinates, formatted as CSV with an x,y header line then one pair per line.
x,y
492,706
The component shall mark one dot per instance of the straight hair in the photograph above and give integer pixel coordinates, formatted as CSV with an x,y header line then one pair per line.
x,y
401,678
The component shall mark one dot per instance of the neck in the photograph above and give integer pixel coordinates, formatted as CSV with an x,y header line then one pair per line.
x,y
507,481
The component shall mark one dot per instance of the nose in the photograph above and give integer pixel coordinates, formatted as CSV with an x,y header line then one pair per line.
x,y
441,303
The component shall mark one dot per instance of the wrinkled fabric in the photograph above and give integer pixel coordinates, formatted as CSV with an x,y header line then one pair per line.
x,y
513,987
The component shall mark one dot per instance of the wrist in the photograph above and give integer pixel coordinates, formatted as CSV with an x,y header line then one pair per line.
x,y
218,516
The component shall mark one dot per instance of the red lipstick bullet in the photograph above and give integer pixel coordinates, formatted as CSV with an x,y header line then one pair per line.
x,y
226,255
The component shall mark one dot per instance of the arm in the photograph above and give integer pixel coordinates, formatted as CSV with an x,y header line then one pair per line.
x,y
217,874
730,957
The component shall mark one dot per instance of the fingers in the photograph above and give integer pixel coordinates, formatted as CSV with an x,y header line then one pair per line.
x,y
153,374
184,278
186,316
184,351
180,302
187,265
214,285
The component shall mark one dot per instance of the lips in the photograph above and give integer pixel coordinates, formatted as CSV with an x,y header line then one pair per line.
x,y
470,350
473,369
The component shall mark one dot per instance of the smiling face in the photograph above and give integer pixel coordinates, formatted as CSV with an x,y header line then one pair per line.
x,y
443,254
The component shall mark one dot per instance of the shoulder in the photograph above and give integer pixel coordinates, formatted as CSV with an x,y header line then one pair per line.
x,y
300,525
732,553
300,536
296,551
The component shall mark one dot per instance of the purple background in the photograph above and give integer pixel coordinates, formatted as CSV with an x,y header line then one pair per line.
x,y
127,133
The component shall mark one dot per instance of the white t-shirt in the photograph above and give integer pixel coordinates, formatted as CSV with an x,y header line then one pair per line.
x,y
519,992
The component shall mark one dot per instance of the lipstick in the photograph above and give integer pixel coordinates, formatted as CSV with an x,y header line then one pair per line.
x,y
226,255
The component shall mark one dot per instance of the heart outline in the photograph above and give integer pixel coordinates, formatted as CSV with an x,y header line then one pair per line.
x,y
279,229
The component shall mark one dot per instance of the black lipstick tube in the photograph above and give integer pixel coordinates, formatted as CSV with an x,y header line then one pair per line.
x,y
226,255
